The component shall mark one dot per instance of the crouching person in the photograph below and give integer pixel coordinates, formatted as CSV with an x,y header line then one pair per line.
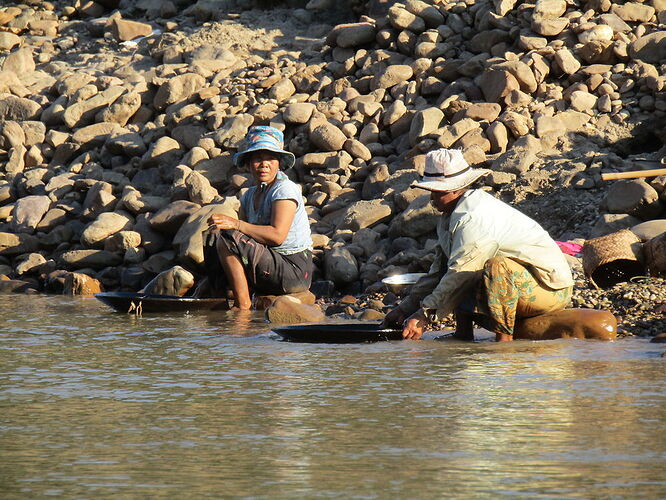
x,y
268,249
493,264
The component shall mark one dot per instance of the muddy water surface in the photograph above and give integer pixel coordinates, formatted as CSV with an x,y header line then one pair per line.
x,y
96,404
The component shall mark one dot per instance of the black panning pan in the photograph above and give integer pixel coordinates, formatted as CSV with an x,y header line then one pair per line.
x,y
137,303
337,333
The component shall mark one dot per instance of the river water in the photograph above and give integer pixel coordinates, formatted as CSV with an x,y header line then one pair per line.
x,y
97,404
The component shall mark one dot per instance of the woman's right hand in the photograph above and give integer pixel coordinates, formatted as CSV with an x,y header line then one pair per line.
x,y
220,221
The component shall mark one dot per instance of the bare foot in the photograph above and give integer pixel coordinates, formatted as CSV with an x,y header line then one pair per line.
x,y
241,307
503,337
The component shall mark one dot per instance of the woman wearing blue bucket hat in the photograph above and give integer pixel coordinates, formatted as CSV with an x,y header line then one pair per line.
x,y
268,249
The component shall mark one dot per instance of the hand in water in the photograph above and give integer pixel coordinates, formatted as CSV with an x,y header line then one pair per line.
x,y
221,221
413,326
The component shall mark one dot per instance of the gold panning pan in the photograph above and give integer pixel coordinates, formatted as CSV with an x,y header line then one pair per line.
x,y
612,259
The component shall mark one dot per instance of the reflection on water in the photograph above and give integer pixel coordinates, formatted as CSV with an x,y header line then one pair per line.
x,y
99,404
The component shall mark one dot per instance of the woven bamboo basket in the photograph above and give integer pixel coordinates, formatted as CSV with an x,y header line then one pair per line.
x,y
613,258
655,255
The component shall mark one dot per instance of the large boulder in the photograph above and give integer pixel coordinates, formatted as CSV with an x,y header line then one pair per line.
x,y
28,212
188,241
568,323
105,225
634,197
340,266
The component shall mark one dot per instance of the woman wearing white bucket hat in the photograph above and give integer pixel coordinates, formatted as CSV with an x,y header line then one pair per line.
x,y
493,264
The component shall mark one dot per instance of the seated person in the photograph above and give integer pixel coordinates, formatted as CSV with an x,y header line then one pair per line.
x,y
268,249
492,265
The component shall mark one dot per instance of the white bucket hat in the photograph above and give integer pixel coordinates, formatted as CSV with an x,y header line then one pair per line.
x,y
447,170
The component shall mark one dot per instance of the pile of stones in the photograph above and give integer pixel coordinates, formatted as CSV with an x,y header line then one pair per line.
x,y
116,135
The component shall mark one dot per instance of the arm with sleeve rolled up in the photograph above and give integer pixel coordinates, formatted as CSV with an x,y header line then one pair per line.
x,y
467,260
425,285
465,265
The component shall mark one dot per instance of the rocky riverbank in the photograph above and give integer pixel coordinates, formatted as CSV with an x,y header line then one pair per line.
x,y
119,118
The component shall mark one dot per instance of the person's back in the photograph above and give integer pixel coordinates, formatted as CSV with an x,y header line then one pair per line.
x,y
479,219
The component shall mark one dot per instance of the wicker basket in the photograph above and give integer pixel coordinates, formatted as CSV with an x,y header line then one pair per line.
x,y
612,259
655,255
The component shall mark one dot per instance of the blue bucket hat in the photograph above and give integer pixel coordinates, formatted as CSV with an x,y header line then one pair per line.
x,y
264,138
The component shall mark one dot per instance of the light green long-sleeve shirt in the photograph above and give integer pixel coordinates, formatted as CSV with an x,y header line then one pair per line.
x,y
479,228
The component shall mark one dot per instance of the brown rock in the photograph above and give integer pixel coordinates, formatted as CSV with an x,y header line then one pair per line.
x,y
263,302
549,27
289,310
496,84
124,30
17,286
96,259
633,12
402,19
328,137
566,61
81,284
9,40
568,323
392,76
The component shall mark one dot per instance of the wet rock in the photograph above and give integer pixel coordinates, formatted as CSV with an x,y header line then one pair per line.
x,y
263,302
289,310
568,323
176,281
81,284
17,286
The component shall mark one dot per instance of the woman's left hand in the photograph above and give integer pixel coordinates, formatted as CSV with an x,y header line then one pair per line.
x,y
221,221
